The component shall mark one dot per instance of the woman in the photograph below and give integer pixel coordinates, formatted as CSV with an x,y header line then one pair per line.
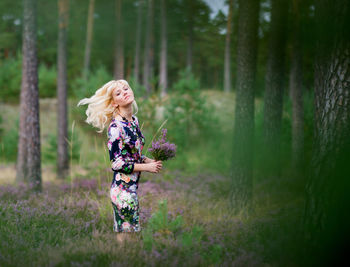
x,y
114,104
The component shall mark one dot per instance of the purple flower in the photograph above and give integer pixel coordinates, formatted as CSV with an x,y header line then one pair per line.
x,y
161,149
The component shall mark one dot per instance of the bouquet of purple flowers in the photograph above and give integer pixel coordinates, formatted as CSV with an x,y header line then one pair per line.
x,y
161,149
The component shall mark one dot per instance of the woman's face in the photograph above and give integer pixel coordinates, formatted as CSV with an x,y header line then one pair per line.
x,y
123,95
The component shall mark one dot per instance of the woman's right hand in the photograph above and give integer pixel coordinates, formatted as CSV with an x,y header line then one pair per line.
x,y
155,166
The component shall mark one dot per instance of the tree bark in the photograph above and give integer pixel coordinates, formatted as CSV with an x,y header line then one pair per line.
x,y
27,44
227,71
90,25
138,42
119,50
296,92
62,117
242,164
274,83
326,218
148,53
30,82
163,53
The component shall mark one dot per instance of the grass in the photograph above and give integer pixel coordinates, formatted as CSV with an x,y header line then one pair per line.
x,y
70,222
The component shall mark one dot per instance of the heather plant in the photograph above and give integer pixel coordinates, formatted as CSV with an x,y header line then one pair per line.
x,y
161,149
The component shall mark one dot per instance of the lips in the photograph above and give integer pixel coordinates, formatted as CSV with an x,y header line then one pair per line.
x,y
126,97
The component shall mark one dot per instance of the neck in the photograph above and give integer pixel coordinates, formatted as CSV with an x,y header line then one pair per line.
x,y
126,112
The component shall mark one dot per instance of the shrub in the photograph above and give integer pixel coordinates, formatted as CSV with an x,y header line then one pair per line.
x,y
86,88
9,143
139,89
190,117
47,81
50,151
160,223
10,78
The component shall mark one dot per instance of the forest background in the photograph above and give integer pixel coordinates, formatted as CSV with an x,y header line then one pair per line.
x,y
245,93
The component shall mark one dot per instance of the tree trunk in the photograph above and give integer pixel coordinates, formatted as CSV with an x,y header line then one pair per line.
x,y
296,92
242,164
190,35
138,42
326,218
30,85
62,117
90,24
227,71
163,54
148,56
119,50
274,84
21,166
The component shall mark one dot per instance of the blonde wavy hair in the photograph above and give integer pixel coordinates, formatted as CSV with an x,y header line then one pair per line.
x,y
100,110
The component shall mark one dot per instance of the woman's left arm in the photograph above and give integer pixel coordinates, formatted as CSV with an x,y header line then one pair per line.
x,y
145,159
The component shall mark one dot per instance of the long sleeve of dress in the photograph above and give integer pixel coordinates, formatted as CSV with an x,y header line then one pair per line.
x,y
118,153
143,157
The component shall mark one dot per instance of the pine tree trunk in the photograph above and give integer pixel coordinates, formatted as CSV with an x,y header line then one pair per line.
x,y
21,166
90,25
242,175
227,71
148,57
274,84
163,53
296,92
326,217
119,50
62,117
30,83
138,42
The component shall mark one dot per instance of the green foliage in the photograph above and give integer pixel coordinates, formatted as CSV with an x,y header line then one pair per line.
x,y
190,117
308,122
138,89
9,144
286,132
159,222
86,88
50,151
1,128
189,238
190,241
47,81
10,78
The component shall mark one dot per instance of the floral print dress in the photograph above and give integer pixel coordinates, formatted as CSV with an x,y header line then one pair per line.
x,y
125,144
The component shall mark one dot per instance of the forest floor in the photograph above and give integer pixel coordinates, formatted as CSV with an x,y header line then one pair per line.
x,y
70,222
